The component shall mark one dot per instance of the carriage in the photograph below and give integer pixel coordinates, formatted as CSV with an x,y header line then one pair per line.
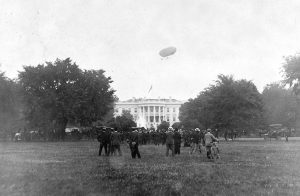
x,y
276,131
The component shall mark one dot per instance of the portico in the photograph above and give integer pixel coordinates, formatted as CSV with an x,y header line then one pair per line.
x,y
150,112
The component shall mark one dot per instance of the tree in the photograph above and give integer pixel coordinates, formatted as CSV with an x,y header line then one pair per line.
x,y
177,125
229,103
280,105
10,107
235,104
59,92
123,122
163,125
291,74
189,114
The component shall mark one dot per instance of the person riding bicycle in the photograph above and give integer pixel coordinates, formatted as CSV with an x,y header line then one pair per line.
x,y
209,139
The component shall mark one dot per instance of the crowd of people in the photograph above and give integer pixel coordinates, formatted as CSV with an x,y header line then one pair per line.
x,y
196,139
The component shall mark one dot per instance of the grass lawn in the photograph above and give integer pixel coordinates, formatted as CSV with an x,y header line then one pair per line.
x,y
73,168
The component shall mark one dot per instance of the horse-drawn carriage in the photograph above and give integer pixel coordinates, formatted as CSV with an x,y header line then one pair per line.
x,y
276,131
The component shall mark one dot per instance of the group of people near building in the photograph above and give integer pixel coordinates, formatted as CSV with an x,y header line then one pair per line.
x,y
110,140
196,139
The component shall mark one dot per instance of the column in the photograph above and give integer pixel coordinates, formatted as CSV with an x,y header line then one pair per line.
x,y
142,111
139,112
148,114
154,112
159,114
144,116
164,113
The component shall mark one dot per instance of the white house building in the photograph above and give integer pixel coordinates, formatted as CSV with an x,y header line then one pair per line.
x,y
150,112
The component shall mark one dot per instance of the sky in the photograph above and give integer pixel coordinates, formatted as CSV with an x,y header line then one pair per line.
x,y
246,39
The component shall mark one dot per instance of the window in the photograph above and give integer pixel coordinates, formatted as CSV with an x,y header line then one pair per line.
x,y
156,118
151,108
174,119
167,109
173,109
156,108
151,118
135,110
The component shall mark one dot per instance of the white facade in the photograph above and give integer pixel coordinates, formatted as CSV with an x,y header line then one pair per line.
x,y
150,112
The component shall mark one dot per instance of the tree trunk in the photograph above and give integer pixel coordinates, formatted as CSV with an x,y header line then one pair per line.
x,y
61,128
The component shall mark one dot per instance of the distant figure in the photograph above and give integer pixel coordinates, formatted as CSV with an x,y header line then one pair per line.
x,y
169,141
195,139
209,139
226,135
134,144
287,134
104,139
177,142
232,134
115,139
217,133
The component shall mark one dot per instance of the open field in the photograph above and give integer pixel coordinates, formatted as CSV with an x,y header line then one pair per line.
x,y
73,168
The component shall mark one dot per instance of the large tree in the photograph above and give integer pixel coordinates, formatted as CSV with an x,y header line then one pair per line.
x,y
291,74
280,105
123,122
229,103
163,125
10,107
59,92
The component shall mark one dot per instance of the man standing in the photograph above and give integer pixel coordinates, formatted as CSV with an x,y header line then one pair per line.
x,y
104,139
177,141
134,144
195,139
115,142
100,139
209,139
170,141
226,134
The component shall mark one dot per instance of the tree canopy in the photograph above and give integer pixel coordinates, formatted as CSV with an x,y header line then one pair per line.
x,y
60,92
163,125
291,72
280,105
123,122
229,103
10,107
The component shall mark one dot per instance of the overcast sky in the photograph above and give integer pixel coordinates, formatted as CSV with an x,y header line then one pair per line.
x,y
247,39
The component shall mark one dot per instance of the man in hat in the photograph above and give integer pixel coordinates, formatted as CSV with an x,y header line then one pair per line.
x,y
115,139
134,144
195,140
170,141
104,139
209,139
177,141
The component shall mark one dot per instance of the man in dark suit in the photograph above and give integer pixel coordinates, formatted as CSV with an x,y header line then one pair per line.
x,y
134,144
177,141
170,141
104,139
115,140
